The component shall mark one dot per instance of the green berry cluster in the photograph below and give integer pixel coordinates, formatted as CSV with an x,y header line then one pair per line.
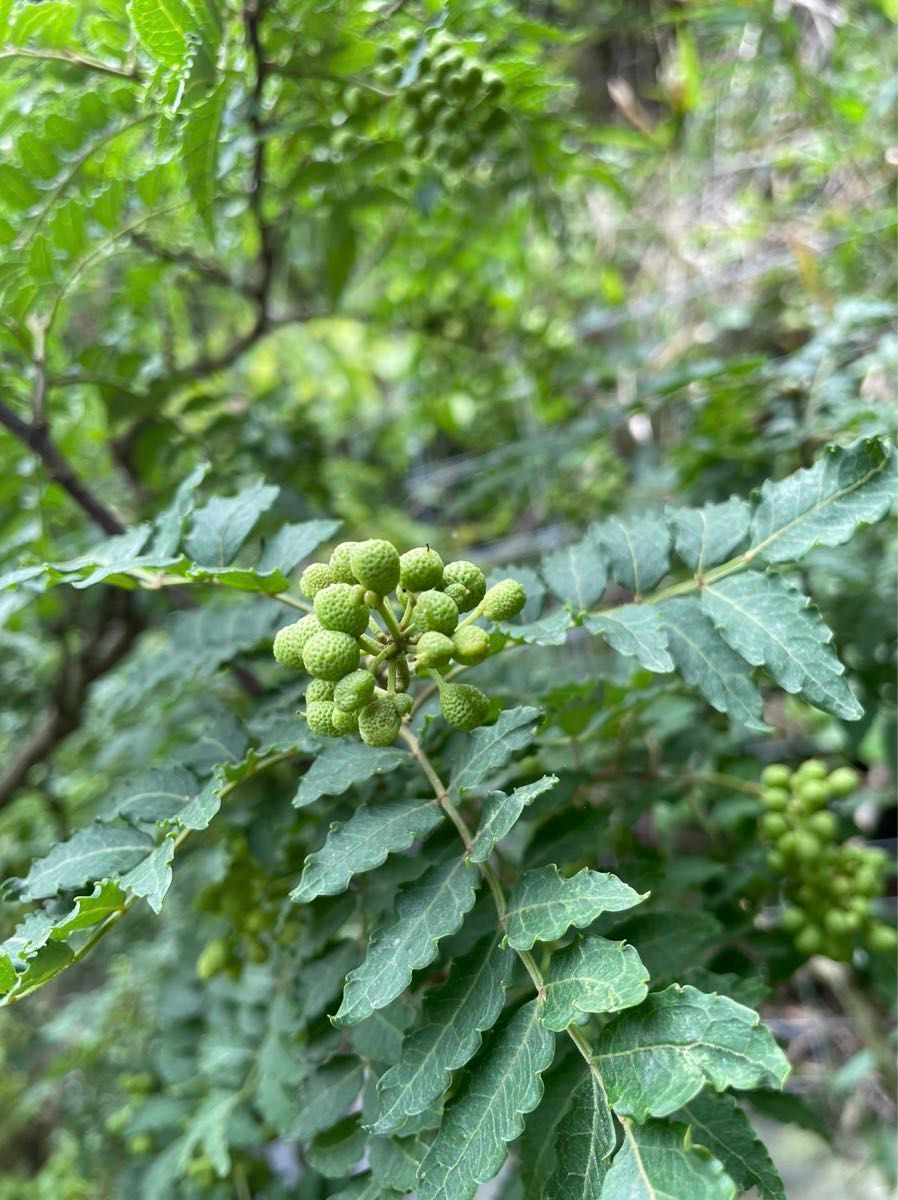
x,y
418,630
451,95
828,885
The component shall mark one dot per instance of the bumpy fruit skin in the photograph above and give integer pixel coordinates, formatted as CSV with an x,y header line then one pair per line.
x,y
470,577
319,689
339,607
344,722
379,723
354,691
290,641
320,718
420,569
776,775
434,649
504,600
436,612
463,705
330,654
375,564
340,566
472,645
315,577
403,703
843,781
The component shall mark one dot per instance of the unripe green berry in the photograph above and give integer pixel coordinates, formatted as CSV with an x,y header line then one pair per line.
x,y
339,607
504,600
315,577
320,718
776,861
420,569
354,691
434,649
463,706
882,939
776,775
375,564
344,722
807,846
866,881
457,592
471,578
403,703
339,563
330,654
811,768
379,723
812,793
834,922
809,940
436,612
319,689
774,799
773,825
472,645
843,781
290,641
841,886
792,919
824,825
212,959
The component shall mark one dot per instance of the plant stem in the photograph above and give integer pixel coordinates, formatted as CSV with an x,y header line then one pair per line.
x,y
292,601
386,611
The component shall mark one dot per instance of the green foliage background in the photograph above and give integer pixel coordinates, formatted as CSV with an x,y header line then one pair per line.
x,y
663,275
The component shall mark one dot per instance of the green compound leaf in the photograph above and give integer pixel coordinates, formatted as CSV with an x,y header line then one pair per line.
x,y
656,1057
658,1162
454,1016
592,976
638,550
344,764
824,505
152,877
335,1151
97,851
380,1037
545,904
583,1141
490,747
577,574
169,525
709,664
292,543
428,909
503,1084
634,630
397,1160
363,843
171,30
550,630
222,525
199,152
324,1096
773,625
706,536
501,811
718,1123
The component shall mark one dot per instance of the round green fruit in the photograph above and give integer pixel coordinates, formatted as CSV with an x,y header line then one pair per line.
x,y
290,641
882,939
824,825
354,691
435,612
472,645
504,600
463,705
213,958
813,794
315,577
420,569
470,577
774,799
339,563
807,846
776,861
836,923
809,940
375,564
140,1144
330,654
773,825
776,775
320,719
340,607
319,689
793,919
843,781
379,723
434,649
811,768
403,703
344,722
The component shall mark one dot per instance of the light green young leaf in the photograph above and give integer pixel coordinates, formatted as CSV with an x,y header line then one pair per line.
x,y
706,536
172,30
501,811
718,1123
545,904
638,550
634,630
169,525
490,747
199,152
656,1057
709,664
428,909
453,1019
577,574
824,505
325,1095
152,877
97,851
502,1085
344,764
363,843
292,543
583,1141
222,525
658,1162
773,625
592,976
